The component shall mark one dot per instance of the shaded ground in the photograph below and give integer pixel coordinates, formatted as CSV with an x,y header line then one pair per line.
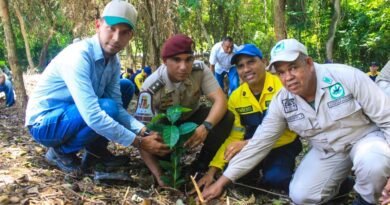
x,y
25,177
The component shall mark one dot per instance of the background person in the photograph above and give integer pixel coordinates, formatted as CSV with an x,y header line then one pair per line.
x,y
140,78
220,56
373,73
7,87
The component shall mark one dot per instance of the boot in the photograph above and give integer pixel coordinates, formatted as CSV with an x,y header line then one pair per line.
x,y
360,201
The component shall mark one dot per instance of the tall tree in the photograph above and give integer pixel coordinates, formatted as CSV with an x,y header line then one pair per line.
x,y
20,91
158,26
25,36
51,17
280,20
332,30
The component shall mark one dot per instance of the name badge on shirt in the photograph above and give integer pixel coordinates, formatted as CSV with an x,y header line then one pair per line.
x,y
289,105
244,109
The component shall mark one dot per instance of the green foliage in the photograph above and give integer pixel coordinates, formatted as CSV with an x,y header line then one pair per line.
x,y
174,136
362,33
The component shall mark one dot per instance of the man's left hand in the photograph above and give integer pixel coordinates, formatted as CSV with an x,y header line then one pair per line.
x,y
197,138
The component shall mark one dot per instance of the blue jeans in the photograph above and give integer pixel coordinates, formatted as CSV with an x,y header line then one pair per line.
x,y
127,91
234,80
7,88
277,167
65,130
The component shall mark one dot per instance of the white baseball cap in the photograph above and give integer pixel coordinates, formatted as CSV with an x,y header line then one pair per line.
x,y
118,11
286,50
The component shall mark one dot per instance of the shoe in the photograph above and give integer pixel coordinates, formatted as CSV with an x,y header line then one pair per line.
x,y
68,163
343,195
360,201
105,158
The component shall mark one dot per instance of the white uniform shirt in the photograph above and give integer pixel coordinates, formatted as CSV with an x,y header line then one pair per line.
x,y
220,59
348,106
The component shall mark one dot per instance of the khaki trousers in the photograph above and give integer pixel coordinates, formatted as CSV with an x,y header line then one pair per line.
x,y
317,180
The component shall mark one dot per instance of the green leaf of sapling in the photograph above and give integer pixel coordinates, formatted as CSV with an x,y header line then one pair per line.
x,y
158,117
187,127
171,135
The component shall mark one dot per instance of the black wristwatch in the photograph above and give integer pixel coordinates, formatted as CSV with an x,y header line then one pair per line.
x,y
207,125
146,133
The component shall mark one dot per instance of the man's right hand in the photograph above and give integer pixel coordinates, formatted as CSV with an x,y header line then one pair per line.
x,y
207,179
234,148
216,189
154,144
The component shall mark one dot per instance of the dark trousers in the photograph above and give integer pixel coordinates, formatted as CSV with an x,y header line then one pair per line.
x,y
215,138
127,91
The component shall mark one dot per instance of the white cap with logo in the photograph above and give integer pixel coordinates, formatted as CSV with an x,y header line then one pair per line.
x,y
286,50
118,11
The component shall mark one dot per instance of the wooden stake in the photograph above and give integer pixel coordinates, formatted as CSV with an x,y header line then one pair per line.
x,y
124,198
197,190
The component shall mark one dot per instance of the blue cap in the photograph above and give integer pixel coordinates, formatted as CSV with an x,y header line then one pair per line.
x,y
148,70
249,50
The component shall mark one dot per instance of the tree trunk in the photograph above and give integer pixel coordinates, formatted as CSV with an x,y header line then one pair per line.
x,y
20,91
42,57
332,30
280,20
154,57
25,37
203,28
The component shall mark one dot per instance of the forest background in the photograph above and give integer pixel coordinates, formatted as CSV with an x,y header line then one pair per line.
x,y
359,28
32,32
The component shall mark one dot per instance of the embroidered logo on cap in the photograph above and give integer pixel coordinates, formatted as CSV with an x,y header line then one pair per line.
x,y
278,48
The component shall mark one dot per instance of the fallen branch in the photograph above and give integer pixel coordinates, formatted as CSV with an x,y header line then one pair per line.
x,y
200,196
124,198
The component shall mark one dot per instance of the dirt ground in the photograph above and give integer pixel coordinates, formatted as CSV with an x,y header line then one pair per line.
x,y
26,178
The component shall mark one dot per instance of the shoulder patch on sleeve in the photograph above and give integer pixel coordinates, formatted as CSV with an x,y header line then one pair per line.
x,y
197,66
156,86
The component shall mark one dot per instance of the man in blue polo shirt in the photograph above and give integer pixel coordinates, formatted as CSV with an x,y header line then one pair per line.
x,y
77,103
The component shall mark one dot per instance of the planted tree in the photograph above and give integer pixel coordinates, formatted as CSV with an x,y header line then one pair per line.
x,y
174,135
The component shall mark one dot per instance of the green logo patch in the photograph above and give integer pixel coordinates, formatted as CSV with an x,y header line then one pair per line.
x,y
327,80
336,91
244,109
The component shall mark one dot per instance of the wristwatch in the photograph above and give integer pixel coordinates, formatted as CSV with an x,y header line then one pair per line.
x,y
146,133
207,125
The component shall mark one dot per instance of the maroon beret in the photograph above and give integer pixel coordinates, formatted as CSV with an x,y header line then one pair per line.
x,y
175,45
